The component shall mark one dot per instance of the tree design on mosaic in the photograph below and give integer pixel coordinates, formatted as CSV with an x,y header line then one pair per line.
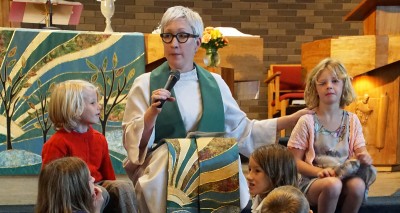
x,y
112,85
40,113
11,86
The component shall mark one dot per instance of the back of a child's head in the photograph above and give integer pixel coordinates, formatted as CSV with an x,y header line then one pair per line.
x,y
67,103
64,186
338,69
278,163
288,199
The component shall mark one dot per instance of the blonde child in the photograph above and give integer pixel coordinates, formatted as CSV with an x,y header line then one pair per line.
x,y
288,199
330,135
270,166
65,185
73,109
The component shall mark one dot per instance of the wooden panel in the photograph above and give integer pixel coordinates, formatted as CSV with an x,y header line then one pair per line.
x,y
313,52
228,75
370,24
384,80
4,9
244,54
153,47
359,54
381,54
394,49
365,7
388,20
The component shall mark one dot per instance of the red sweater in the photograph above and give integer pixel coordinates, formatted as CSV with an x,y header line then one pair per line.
x,y
90,146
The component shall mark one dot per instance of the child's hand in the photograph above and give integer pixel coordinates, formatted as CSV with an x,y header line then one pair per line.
x,y
98,199
364,158
327,172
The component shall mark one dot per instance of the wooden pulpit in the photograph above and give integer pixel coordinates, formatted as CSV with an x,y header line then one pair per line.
x,y
374,62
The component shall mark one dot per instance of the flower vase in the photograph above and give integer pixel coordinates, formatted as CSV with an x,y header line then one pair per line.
x,y
211,59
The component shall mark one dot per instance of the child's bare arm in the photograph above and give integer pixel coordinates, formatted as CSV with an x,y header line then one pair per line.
x,y
363,156
307,169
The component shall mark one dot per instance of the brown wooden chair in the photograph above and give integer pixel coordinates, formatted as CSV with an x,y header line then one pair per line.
x,y
285,83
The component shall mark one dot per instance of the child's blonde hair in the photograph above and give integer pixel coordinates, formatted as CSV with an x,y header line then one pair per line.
x,y
67,103
288,199
278,164
333,65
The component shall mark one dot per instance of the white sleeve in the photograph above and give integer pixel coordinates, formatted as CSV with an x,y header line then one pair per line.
x,y
250,134
138,100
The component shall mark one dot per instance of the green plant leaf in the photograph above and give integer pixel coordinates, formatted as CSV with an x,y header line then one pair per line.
x,y
23,62
114,93
115,60
37,126
27,85
91,65
12,52
105,62
11,63
108,80
94,77
119,72
131,74
31,105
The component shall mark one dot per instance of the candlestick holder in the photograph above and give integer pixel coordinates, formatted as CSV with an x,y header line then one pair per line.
x,y
107,9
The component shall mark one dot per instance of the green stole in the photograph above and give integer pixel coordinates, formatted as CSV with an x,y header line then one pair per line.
x,y
169,123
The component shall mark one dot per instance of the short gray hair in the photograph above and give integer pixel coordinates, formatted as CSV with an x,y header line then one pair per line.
x,y
193,18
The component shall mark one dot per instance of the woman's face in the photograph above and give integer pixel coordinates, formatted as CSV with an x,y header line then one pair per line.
x,y
180,56
257,179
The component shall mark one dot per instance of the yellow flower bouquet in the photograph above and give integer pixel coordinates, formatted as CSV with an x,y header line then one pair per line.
x,y
212,40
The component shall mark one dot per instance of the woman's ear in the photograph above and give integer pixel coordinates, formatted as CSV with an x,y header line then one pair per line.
x,y
198,43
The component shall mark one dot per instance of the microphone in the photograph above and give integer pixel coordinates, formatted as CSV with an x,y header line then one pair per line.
x,y
173,78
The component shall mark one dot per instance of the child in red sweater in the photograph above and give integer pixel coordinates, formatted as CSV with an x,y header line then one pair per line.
x,y
73,108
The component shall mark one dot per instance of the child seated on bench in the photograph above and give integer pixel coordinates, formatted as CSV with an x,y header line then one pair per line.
x,y
73,109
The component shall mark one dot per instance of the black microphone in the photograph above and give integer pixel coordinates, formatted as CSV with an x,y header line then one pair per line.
x,y
173,78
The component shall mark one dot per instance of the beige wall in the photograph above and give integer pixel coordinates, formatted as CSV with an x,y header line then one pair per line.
x,y
283,24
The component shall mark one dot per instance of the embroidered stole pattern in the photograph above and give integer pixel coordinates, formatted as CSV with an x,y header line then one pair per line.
x,y
203,175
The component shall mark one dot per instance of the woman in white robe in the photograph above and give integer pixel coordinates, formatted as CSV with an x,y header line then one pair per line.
x,y
148,170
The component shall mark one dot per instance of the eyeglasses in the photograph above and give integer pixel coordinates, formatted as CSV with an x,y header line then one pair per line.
x,y
180,37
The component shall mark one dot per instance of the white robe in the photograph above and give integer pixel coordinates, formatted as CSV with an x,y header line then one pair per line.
x,y
148,171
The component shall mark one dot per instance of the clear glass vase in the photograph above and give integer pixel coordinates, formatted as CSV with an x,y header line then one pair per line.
x,y
211,59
